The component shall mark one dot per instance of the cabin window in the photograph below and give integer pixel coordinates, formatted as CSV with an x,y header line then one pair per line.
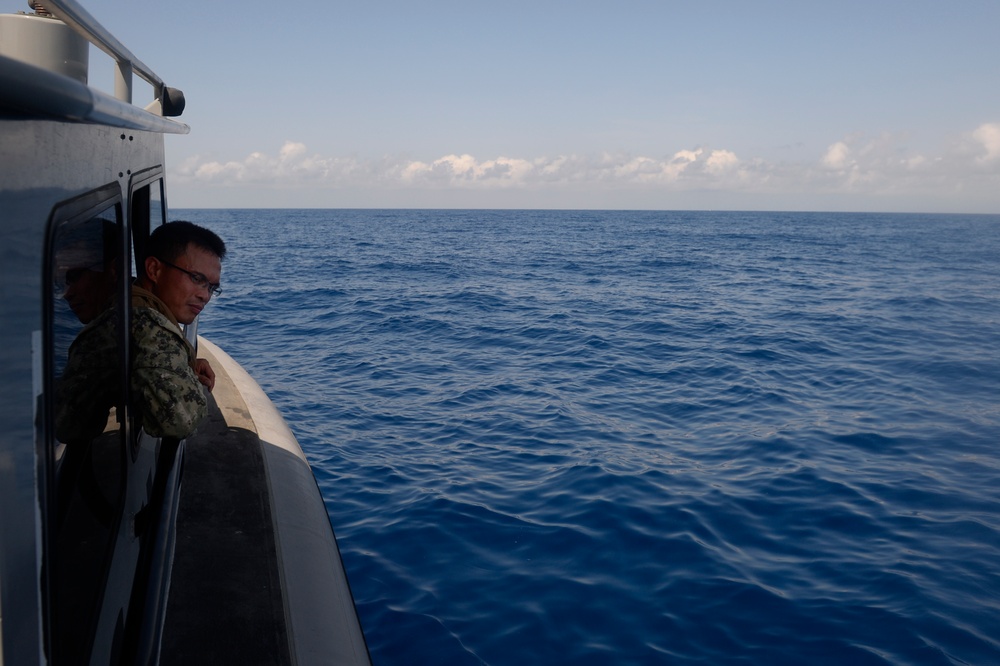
x,y
84,456
147,210
103,494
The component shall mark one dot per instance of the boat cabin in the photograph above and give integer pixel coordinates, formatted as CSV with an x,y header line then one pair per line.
x,y
118,547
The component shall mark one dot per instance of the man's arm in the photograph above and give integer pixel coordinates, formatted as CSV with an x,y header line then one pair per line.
x,y
167,389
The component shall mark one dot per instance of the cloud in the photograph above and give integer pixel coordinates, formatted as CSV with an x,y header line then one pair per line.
x,y
837,156
988,135
291,150
721,161
883,165
295,166
465,169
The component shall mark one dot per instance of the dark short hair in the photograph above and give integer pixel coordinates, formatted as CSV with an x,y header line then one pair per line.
x,y
169,241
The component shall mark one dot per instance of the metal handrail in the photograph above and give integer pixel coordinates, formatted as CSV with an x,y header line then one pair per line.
x,y
34,90
78,18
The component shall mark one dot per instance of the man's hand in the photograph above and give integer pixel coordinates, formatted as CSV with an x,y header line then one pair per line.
x,y
206,375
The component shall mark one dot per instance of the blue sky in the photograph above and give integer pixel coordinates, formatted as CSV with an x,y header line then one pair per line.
x,y
716,104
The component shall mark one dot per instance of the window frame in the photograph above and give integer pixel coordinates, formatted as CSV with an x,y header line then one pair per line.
x,y
65,215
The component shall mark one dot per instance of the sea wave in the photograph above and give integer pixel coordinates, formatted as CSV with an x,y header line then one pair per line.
x,y
636,437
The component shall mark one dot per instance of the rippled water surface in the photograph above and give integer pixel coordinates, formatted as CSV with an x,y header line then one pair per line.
x,y
640,438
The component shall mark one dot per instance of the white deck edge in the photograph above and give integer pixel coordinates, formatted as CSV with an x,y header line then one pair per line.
x,y
267,421
323,623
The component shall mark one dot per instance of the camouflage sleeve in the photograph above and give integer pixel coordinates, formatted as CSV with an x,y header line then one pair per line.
x,y
166,390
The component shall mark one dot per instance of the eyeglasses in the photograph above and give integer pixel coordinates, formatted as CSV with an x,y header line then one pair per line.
x,y
200,280
73,274
66,277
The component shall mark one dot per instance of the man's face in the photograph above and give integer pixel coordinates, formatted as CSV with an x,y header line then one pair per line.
x,y
88,291
176,288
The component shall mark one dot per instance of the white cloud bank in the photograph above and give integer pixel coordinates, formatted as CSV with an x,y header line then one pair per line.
x,y
880,168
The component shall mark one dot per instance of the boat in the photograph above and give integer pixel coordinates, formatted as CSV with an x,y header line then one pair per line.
x,y
119,547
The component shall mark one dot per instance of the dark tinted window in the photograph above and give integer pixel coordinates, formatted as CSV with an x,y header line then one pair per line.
x,y
85,446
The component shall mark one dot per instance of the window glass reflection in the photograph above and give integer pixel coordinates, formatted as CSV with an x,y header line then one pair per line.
x,y
86,454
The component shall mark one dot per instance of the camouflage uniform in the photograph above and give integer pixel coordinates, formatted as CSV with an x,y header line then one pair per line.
x,y
169,397
88,388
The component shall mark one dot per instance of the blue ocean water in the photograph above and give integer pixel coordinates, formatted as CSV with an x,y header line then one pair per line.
x,y
640,437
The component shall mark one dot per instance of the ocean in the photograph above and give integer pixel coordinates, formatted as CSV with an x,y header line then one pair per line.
x,y
596,437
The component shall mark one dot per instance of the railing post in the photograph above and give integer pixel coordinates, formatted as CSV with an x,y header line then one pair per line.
x,y
123,80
